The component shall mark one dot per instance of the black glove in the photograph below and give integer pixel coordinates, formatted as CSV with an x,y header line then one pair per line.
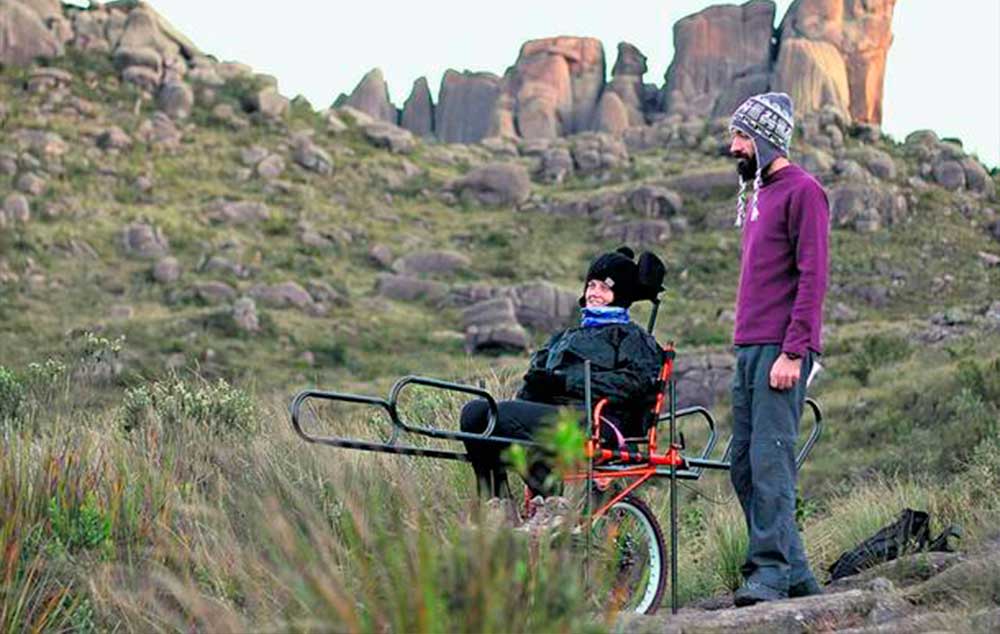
x,y
543,381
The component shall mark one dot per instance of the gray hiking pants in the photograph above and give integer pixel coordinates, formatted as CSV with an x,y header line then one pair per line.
x,y
765,428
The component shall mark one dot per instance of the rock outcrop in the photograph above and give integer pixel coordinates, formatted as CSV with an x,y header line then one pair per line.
x,y
859,33
466,107
24,36
556,83
722,55
418,110
371,96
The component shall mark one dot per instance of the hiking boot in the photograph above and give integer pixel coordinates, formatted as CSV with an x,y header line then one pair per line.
x,y
753,592
806,588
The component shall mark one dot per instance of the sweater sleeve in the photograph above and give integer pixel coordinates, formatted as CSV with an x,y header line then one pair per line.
x,y
809,232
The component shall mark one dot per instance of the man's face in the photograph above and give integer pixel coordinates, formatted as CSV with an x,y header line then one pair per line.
x,y
741,147
598,294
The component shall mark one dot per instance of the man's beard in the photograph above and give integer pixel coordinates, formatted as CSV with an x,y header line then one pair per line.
x,y
747,168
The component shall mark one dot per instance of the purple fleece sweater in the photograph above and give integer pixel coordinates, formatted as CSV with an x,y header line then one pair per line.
x,y
783,268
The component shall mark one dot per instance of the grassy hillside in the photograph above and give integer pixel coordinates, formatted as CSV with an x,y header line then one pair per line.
x,y
148,476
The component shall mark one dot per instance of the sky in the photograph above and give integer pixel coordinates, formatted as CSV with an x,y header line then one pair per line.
x,y
943,70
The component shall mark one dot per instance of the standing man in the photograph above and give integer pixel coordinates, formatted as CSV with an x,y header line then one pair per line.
x,y
779,316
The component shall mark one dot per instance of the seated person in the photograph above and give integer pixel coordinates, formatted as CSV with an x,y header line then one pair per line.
x,y
625,365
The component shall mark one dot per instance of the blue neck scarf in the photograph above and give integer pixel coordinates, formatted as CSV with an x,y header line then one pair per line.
x,y
603,315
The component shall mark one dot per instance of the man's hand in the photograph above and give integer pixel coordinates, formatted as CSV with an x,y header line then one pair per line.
x,y
785,372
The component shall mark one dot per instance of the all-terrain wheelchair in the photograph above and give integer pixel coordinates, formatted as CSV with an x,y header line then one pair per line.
x,y
620,528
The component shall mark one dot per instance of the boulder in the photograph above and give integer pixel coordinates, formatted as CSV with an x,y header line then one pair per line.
x,y
147,57
390,137
267,101
431,263
409,289
43,144
159,131
555,166
145,79
15,209
24,36
418,110
713,50
283,295
167,270
380,255
45,79
705,182
543,305
244,315
977,179
655,202
555,84
371,96
311,156
32,184
271,167
495,184
467,105
859,205
949,174
595,152
176,99
703,379
144,241
492,326
214,292
646,233
237,212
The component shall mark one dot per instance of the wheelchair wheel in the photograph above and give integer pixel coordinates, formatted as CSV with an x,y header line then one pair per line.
x,y
627,559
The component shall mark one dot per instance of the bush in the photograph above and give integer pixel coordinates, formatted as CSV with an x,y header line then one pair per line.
x,y
11,395
217,406
875,352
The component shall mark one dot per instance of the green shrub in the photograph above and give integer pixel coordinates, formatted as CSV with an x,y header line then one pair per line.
x,y
11,395
982,379
86,526
218,406
874,352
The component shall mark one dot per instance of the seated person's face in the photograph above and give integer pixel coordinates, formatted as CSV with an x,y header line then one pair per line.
x,y
598,294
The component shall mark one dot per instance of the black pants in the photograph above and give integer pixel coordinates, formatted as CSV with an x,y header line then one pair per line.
x,y
521,420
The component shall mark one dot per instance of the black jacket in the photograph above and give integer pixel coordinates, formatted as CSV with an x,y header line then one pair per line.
x,y
625,363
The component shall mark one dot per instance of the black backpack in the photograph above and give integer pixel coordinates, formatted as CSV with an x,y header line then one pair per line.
x,y
910,533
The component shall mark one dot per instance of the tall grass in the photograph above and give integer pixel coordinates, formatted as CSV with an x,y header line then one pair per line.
x,y
191,517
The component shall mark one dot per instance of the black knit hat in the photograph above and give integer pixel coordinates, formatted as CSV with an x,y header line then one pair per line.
x,y
618,270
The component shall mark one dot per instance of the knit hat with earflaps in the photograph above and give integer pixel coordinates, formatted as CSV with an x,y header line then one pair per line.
x,y
618,270
767,119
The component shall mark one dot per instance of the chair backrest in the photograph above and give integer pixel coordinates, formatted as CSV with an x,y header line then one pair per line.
x,y
652,271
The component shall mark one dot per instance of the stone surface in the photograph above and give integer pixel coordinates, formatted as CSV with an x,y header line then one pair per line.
x,y
813,73
237,212
245,316
555,84
645,233
467,104
176,99
495,184
213,292
418,110
167,270
627,84
431,263
24,36
492,325
311,156
408,289
371,96
713,49
390,137
862,35
282,295
144,241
